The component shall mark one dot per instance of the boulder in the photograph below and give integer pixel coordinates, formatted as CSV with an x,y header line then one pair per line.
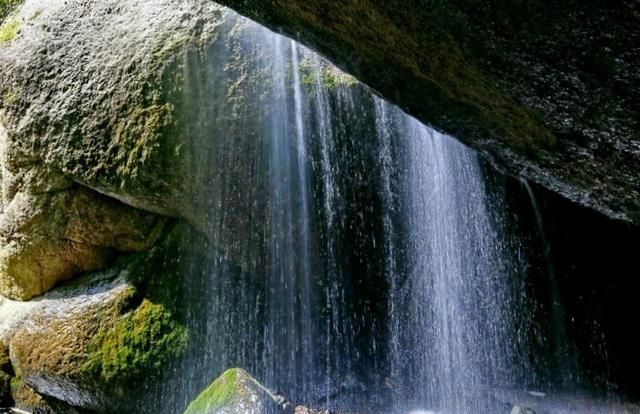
x,y
12,313
52,230
94,343
235,391
95,91
517,409
26,399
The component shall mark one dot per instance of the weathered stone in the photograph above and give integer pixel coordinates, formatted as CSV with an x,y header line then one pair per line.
x,y
88,344
547,90
95,91
6,7
12,313
130,101
52,229
27,399
235,391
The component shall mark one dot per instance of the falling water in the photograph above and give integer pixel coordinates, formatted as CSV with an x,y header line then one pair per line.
x,y
355,257
452,310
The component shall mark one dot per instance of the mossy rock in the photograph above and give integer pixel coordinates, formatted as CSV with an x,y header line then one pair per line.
x,y
130,134
235,391
8,31
96,343
140,344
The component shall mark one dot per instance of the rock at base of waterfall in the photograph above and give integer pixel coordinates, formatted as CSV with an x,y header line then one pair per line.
x,y
522,410
235,391
24,398
306,410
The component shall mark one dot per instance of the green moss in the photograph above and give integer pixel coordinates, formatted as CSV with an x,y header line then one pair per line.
x,y
329,77
7,6
138,137
9,97
9,31
138,346
219,394
15,383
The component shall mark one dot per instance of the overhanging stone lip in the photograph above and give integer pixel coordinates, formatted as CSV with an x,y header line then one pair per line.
x,y
595,163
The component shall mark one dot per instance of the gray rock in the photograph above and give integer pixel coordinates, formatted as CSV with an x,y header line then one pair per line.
x,y
95,91
522,410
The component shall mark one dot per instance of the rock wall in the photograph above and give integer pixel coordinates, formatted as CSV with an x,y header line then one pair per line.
x,y
98,151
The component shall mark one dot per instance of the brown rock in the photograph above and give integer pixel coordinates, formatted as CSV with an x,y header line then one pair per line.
x,y
53,235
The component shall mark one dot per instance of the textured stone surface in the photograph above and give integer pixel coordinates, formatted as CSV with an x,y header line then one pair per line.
x,y
25,398
95,90
547,90
52,229
93,343
235,391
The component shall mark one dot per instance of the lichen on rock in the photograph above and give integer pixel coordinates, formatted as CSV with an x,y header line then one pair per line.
x,y
96,341
140,343
235,391
9,30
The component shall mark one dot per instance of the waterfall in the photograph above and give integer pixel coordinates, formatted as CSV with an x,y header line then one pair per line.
x,y
452,331
356,260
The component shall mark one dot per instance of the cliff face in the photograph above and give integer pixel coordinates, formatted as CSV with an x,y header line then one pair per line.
x,y
547,90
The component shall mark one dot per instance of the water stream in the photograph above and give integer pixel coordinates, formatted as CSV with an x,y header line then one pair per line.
x,y
357,259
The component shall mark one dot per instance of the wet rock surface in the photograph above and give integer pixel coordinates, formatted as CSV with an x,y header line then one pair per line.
x,y
236,391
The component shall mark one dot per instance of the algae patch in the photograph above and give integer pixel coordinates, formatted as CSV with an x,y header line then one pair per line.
x,y
10,98
139,345
9,31
219,394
